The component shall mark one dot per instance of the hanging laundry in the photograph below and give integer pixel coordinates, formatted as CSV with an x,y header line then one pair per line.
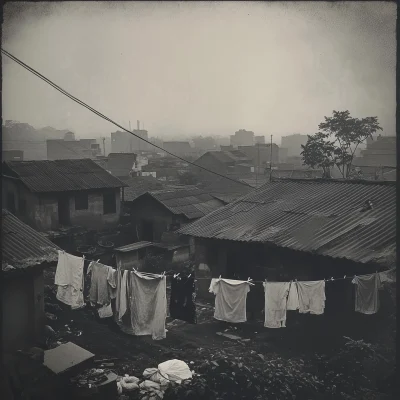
x,y
276,294
311,297
388,276
182,305
367,296
70,280
148,304
293,298
102,284
105,311
213,284
121,303
230,300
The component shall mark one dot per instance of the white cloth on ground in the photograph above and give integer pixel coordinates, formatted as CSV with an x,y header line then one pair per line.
x,y
230,299
293,298
148,304
70,280
102,283
276,294
311,297
367,295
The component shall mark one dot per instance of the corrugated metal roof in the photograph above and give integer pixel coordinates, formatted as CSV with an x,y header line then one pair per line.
x,y
139,185
133,246
22,246
323,217
62,175
227,157
192,203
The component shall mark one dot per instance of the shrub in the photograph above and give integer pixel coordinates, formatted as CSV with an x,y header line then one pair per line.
x,y
222,379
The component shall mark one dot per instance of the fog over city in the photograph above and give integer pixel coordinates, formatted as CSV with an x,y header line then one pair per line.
x,y
206,68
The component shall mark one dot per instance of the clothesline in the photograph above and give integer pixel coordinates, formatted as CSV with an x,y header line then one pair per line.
x,y
250,280
295,280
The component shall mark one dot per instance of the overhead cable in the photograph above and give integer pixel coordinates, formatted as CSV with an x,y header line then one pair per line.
x,y
55,86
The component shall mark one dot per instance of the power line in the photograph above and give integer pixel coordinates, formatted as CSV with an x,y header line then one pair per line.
x,y
55,86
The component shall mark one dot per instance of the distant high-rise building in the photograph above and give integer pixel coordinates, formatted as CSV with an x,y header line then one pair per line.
x,y
293,144
259,139
242,138
124,142
68,149
69,136
380,151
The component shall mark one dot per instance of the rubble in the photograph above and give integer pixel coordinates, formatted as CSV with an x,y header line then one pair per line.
x,y
229,336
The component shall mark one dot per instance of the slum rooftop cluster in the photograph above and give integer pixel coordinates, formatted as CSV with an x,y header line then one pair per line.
x,y
341,219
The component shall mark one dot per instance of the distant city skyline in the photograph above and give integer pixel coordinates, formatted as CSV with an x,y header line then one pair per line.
x,y
204,68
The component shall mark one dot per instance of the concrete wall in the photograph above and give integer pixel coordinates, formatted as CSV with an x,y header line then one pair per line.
x,y
146,209
93,217
42,209
39,214
23,314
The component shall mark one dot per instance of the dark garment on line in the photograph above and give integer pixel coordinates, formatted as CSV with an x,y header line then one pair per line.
x,y
182,301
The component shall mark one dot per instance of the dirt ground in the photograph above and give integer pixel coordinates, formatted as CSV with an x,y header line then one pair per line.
x,y
192,343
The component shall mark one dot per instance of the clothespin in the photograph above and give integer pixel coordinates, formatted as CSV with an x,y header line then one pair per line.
x,y
83,256
332,278
344,277
189,276
98,260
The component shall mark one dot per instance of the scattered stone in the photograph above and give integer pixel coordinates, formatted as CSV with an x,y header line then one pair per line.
x,y
229,336
51,316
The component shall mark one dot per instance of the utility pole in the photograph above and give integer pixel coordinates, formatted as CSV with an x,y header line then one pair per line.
x,y
104,146
270,163
258,163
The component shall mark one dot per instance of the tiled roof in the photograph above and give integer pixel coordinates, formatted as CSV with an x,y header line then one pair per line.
x,y
226,190
140,184
227,157
120,164
322,217
61,175
22,246
192,203
297,173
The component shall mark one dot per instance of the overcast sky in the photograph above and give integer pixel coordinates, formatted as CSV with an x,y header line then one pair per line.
x,y
200,67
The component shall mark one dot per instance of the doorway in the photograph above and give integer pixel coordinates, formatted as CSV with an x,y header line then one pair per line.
x,y
63,211
147,229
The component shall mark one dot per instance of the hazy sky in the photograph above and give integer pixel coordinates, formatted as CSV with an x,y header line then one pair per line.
x,y
200,67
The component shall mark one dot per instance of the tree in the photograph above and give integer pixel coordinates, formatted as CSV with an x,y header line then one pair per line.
x,y
337,141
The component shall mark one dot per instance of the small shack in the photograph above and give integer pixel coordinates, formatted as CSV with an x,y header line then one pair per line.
x,y
25,253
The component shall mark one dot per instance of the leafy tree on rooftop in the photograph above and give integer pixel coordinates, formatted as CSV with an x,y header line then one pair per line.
x,y
337,141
